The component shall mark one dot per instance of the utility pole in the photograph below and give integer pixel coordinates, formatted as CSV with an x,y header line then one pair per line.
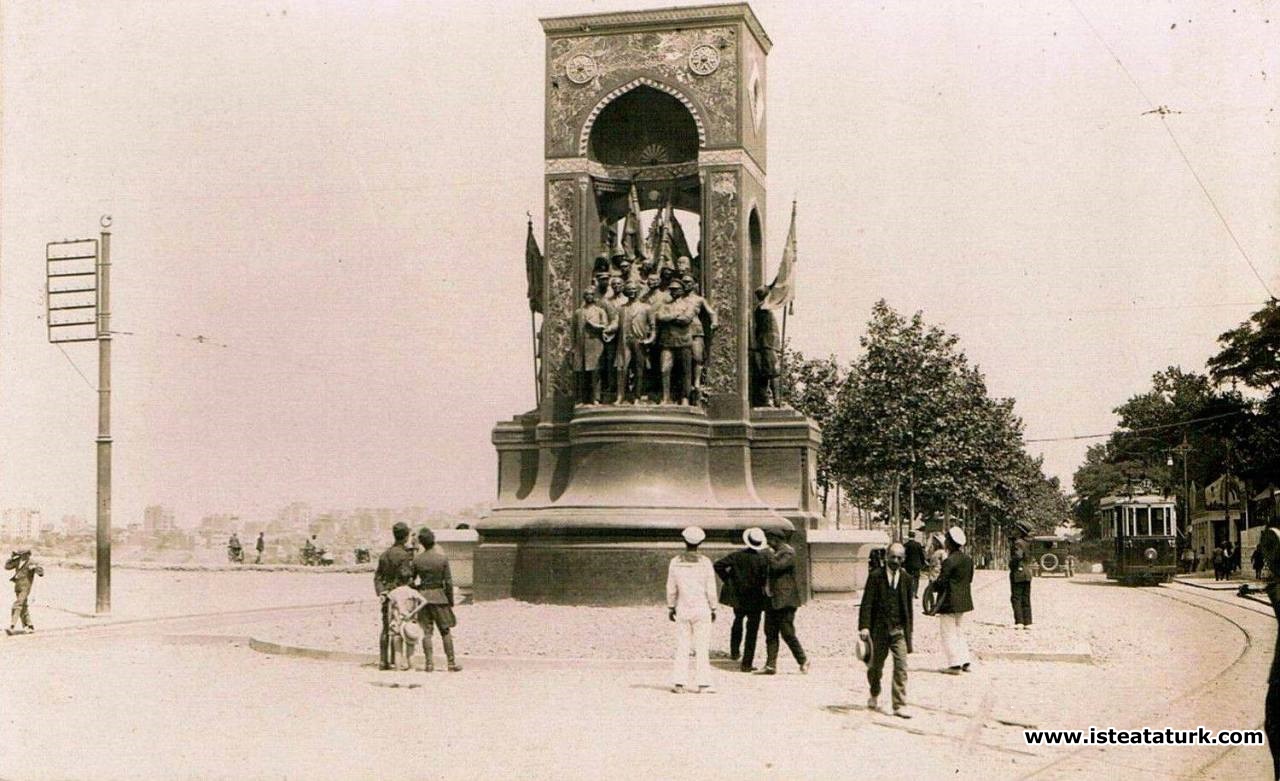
x,y
78,279
103,602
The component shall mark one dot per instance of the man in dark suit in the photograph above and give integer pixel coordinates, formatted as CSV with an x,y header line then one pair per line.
x,y
1269,544
915,562
784,598
744,573
885,619
1020,574
954,592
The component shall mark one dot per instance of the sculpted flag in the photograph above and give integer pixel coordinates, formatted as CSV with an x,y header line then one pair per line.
x,y
783,290
679,246
533,270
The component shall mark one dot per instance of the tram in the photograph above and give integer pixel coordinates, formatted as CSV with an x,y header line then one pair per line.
x,y
1143,529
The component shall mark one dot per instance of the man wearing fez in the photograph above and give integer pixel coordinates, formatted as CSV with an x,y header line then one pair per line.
x,y
394,569
637,329
434,581
25,572
702,311
766,351
744,573
1020,574
675,317
592,329
884,618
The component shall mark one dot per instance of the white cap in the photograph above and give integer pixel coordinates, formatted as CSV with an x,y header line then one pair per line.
x,y
693,535
957,535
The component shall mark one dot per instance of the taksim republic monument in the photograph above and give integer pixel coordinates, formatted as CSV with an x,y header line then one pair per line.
x,y
655,411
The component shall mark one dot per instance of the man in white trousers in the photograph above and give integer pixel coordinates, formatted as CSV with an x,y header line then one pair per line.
x,y
691,604
953,593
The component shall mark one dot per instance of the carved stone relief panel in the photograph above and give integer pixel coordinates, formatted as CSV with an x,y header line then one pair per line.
x,y
561,257
723,288
618,59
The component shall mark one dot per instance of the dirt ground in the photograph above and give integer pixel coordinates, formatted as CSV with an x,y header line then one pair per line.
x,y
142,704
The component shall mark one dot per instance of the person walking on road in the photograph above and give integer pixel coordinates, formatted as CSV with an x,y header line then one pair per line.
x,y
260,545
25,572
434,581
1269,544
915,561
395,568
784,599
691,604
1219,563
1020,574
884,619
744,573
1188,560
952,592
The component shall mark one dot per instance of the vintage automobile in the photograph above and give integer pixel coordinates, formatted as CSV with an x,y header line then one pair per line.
x,y
1051,555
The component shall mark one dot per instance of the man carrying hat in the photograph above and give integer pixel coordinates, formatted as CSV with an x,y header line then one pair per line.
x,y
884,619
1020,574
784,599
744,573
24,576
394,569
691,604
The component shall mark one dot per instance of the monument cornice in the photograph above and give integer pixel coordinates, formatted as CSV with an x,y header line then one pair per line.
x,y
661,17
573,166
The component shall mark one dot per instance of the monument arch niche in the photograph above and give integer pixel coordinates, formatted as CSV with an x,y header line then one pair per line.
x,y
651,111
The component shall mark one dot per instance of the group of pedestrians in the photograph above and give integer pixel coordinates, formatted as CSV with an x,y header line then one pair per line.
x,y
759,580
416,595
886,616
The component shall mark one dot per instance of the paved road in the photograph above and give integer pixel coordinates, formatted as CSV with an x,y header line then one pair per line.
x,y
136,702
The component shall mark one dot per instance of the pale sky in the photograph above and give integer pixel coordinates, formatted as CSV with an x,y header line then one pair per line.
x,y
333,194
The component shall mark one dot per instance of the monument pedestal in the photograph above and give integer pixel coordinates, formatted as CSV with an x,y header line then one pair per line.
x,y
591,512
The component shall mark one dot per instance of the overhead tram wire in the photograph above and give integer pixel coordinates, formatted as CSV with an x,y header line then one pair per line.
x,y
77,368
1154,109
1139,430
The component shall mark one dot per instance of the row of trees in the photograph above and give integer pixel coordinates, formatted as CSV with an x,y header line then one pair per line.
x,y
910,430
1223,421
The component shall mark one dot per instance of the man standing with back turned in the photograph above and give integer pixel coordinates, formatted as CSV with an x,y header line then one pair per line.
x,y
394,569
915,562
1020,575
744,573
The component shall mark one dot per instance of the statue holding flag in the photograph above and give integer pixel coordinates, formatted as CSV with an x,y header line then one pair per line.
x,y
766,344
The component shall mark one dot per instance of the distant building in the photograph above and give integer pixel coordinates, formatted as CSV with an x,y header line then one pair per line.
x,y
294,517
158,520
20,523
73,525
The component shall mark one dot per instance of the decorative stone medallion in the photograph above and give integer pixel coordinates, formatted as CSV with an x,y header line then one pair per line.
x,y
704,59
581,68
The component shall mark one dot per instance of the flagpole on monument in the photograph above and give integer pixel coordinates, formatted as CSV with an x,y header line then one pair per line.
x,y
533,264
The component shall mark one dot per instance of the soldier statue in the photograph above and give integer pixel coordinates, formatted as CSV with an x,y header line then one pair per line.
x,y
675,318
766,349
705,322
592,329
637,329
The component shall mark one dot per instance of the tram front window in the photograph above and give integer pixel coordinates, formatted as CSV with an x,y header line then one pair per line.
x,y
1141,522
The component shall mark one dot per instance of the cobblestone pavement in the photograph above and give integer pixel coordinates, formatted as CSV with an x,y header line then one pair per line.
x,y
140,705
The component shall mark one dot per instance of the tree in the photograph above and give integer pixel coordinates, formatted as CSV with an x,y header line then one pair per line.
x,y
915,417
812,386
1251,351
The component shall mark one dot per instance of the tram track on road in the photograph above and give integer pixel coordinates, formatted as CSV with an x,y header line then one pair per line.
x,y
1234,673
188,623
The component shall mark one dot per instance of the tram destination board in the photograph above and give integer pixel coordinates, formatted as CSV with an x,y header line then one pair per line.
x,y
71,290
